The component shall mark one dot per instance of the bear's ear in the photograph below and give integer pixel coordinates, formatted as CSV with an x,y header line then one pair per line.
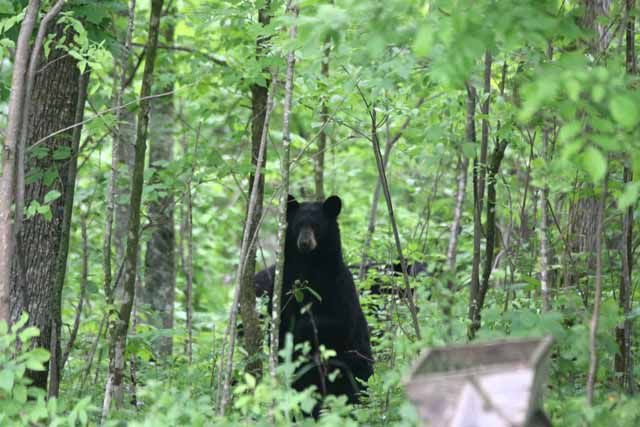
x,y
332,206
292,205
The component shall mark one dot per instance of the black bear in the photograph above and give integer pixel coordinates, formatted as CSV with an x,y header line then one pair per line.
x,y
320,304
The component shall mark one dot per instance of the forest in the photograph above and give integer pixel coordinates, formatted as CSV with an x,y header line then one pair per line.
x,y
235,212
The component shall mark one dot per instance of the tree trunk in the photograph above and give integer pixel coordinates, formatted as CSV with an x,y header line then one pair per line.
x,y
382,176
121,163
276,298
479,173
373,212
318,167
250,323
54,103
160,270
7,180
544,239
63,252
494,169
595,317
120,326
452,249
624,360
595,9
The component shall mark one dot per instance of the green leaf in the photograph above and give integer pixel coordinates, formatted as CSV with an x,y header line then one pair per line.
x,y
51,196
50,176
570,131
62,153
469,149
39,152
20,393
250,380
625,111
28,333
6,379
629,195
423,42
6,8
597,93
595,163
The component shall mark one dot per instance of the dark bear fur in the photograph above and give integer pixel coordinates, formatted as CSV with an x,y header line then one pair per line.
x,y
325,308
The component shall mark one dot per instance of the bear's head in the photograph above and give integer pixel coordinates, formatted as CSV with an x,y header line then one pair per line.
x,y
312,227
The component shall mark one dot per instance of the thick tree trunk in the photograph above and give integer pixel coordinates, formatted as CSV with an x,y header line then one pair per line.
x,y
250,323
594,9
124,304
63,252
160,269
583,214
54,102
10,147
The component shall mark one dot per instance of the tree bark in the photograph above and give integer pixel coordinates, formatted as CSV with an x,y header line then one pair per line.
x,y
602,32
63,252
160,270
123,306
7,180
33,276
624,359
121,150
250,322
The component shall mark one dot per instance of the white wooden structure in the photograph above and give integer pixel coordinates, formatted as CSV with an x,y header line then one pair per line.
x,y
492,384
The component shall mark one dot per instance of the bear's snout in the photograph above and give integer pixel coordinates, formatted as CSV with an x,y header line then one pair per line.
x,y
306,240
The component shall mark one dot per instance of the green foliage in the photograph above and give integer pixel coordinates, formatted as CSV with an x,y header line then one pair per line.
x,y
22,404
411,61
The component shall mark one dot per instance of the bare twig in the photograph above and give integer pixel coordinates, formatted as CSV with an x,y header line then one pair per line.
x,y
188,49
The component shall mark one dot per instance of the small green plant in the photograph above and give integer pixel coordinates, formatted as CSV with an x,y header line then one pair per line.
x,y
22,404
